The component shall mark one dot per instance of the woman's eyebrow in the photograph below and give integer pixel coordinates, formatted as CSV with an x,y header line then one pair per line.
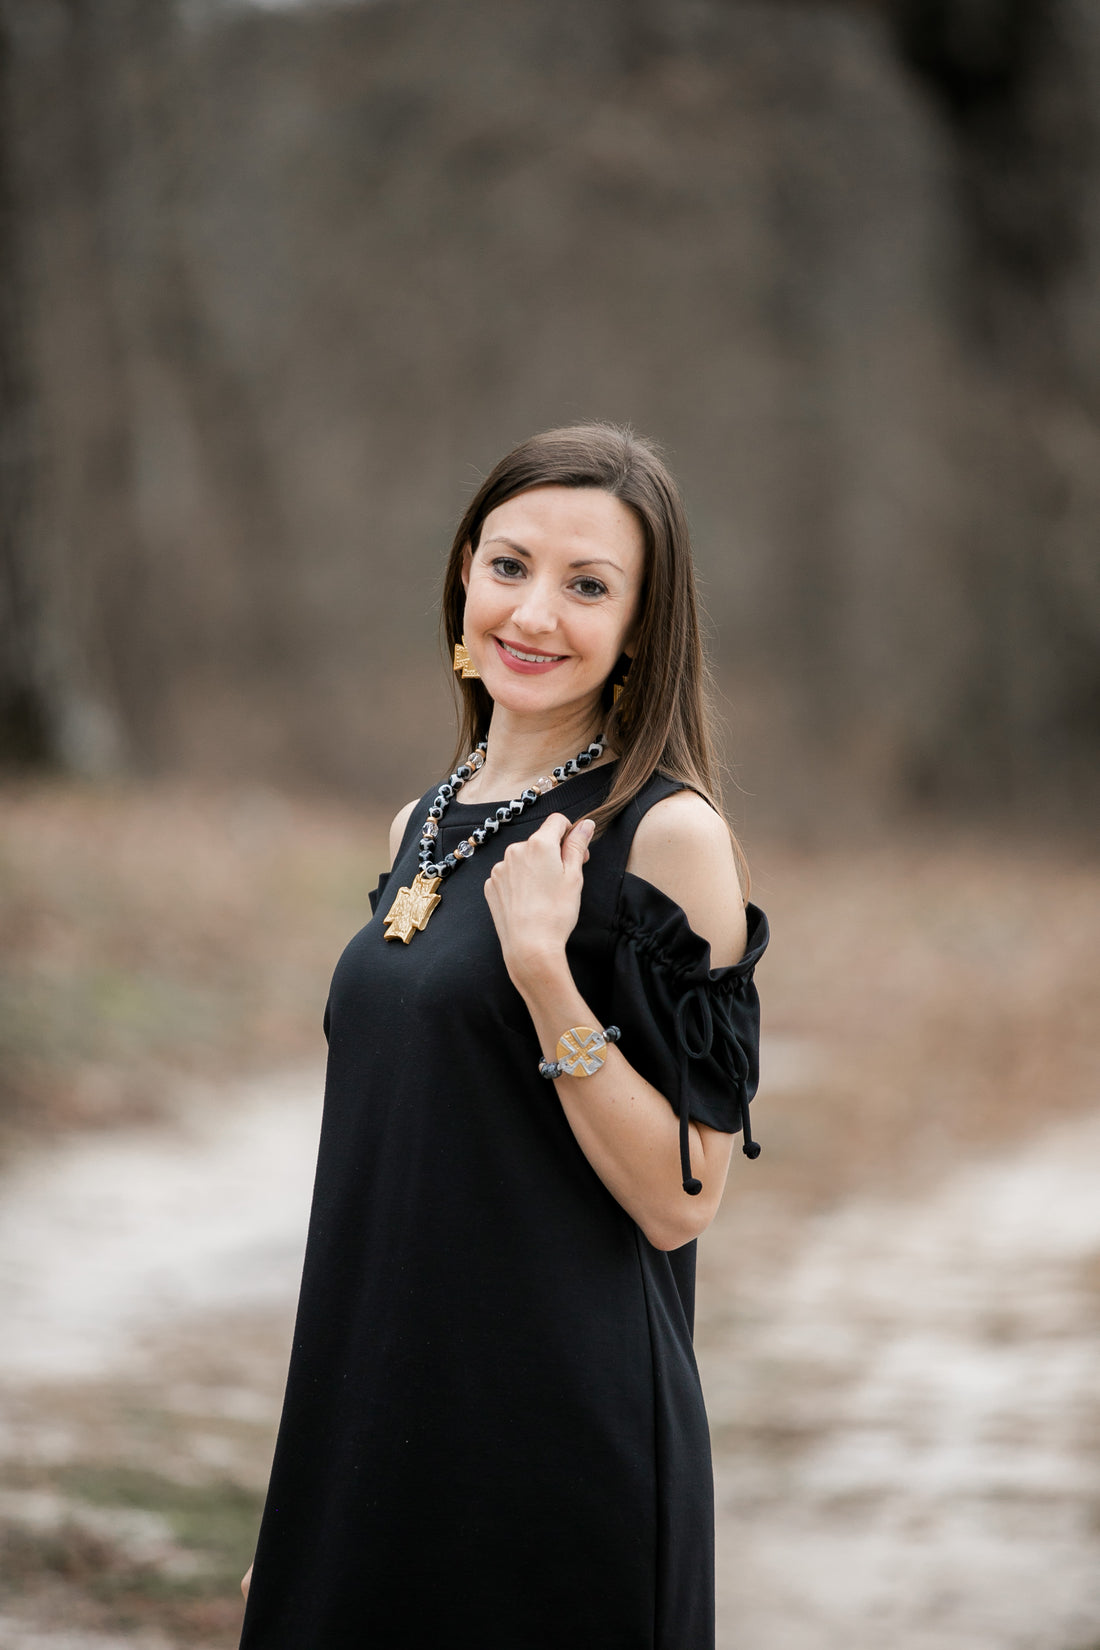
x,y
586,561
512,545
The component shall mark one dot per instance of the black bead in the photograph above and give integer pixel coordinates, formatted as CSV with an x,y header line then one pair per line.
x,y
450,862
583,759
464,772
446,792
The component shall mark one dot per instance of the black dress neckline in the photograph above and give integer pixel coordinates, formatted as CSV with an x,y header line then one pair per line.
x,y
560,799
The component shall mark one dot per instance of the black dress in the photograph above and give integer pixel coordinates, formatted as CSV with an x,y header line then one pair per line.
x,y
493,1435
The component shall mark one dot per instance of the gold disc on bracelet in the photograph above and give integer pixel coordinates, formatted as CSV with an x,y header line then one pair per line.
x,y
581,1050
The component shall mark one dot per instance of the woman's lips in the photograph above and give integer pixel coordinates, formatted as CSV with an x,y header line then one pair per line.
x,y
529,666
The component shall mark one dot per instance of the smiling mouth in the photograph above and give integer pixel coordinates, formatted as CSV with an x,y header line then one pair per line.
x,y
529,658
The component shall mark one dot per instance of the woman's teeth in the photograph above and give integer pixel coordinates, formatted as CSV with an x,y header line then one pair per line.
x,y
531,658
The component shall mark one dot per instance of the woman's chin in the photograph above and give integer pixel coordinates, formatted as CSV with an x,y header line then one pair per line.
x,y
533,696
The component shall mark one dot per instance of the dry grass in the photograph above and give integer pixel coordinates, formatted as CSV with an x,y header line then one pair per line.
x,y
147,934
944,997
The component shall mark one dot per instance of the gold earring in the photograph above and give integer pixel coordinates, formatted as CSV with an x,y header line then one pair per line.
x,y
617,687
462,662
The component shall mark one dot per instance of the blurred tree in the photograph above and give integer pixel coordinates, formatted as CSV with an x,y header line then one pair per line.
x,y
75,544
26,725
170,323
290,277
1017,85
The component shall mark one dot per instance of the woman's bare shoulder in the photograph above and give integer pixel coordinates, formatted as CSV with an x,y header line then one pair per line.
x,y
397,829
685,849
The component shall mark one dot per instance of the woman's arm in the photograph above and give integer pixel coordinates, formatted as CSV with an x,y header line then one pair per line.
x,y
625,1127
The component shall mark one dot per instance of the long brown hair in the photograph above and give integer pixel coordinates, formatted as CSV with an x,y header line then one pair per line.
x,y
661,719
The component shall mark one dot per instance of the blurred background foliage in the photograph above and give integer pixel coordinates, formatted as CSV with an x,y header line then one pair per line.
x,y
278,285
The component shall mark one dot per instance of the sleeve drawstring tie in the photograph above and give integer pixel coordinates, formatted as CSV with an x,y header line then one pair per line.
x,y
695,1043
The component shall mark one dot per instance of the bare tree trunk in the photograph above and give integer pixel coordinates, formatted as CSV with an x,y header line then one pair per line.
x,y
75,541
171,311
1011,80
27,732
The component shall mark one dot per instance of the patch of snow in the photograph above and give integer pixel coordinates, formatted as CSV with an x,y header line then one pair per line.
x,y
16,1634
909,1420
107,1237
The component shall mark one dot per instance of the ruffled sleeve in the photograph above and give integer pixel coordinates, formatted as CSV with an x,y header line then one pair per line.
x,y
691,1030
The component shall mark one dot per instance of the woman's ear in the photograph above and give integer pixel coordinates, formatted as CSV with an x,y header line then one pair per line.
x,y
467,558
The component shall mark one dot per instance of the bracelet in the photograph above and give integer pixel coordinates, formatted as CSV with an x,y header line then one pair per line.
x,y
581,1051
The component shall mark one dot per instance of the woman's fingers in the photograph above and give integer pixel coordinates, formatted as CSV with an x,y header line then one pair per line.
x,y
552,830
557,845
534,891
575,843
571,839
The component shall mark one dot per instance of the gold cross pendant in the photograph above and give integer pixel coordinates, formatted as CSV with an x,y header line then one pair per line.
x,y
412,908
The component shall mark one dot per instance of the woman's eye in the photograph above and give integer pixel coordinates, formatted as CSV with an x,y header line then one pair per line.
x,y
591,587
508,565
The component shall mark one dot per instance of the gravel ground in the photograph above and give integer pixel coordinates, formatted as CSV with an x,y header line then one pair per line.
x,y
903,1390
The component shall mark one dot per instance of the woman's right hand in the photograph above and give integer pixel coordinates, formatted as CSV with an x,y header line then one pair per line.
x,y
245,1580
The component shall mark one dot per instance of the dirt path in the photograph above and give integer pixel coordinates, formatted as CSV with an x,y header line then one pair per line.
x,y
906,1408
112,1237
907,1420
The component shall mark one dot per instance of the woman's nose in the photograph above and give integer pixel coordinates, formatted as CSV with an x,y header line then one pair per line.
x,y
534,612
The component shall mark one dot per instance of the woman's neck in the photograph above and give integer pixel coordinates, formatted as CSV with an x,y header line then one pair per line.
x,y
522,748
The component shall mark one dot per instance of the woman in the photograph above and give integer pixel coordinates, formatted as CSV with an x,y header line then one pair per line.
x,y
539,1050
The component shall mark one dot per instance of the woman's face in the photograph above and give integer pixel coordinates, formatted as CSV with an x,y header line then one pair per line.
x,y
552,597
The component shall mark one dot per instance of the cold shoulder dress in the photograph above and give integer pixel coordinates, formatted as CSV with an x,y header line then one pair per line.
x,y
493,1436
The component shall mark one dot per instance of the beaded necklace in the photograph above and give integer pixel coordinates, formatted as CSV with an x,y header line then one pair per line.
x,y
413,906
